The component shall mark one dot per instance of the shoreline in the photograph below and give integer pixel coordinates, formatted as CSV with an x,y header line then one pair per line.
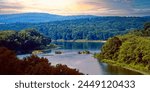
x,y
61,40
125,66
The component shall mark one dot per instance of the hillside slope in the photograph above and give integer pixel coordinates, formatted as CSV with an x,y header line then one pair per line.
x,y
36,18
130,50
96,28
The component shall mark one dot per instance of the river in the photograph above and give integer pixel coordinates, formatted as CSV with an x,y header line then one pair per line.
x,y
86,64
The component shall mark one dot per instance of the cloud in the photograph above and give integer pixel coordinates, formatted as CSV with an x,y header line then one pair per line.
x,y
75,7
126,1
141,12
4,5
11,7
125,8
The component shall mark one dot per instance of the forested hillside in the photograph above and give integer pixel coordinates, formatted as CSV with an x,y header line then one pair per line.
x,y
94,28
23,41
37,17
131,50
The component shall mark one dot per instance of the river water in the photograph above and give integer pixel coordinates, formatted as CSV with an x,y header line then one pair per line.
x,y
86,64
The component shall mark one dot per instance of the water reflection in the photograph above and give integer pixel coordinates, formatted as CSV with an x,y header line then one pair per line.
x,y
80,45
85,63
113,70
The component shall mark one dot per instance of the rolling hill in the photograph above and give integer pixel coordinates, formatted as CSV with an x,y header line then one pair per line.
x,y
72,27
37,18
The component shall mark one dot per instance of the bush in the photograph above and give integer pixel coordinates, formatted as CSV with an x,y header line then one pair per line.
x,y
33,65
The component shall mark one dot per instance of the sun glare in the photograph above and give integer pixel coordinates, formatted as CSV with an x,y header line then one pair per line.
x,y
49,6
56,4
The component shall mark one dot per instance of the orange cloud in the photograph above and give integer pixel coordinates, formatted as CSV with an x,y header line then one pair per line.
x,y
81,7
75,7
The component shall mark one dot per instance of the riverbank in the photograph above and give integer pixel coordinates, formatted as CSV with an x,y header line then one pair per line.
x,y
61,40
137,68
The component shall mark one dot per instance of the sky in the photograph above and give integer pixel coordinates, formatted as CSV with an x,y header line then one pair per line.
x,y
78,7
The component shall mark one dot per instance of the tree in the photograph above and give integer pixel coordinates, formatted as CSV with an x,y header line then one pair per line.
x,y
23,41
111,48
147,26
32,65
9,64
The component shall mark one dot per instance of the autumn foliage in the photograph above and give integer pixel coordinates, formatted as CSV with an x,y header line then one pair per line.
x,y
33,65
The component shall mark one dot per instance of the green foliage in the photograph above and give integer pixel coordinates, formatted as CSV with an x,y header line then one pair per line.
x,y
24,40
84,52
145,32
147,26
33,65
97,28
135,50
130,49
111,48
52,46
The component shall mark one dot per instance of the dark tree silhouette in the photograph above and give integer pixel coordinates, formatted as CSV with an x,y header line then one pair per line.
x,y
33,65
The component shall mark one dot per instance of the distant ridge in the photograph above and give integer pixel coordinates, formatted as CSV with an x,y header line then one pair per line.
x,y
37,17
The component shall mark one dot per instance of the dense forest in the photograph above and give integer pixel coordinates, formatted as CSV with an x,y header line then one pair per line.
x,y
93,28
131,50
33,65
26,41
23,41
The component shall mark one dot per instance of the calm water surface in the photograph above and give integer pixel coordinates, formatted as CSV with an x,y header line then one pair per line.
x,y
84,63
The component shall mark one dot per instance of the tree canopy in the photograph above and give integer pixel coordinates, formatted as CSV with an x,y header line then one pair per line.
x,y
94,28
132,48
32,65
23,41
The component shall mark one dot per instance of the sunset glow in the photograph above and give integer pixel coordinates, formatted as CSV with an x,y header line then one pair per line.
x,y
77,7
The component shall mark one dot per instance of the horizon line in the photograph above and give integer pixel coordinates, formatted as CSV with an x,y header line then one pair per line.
x,y
76,14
